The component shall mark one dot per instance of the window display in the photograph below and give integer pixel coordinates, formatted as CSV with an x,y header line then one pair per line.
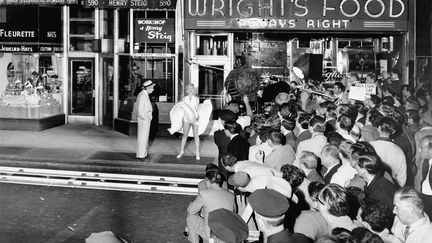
x,y
30,87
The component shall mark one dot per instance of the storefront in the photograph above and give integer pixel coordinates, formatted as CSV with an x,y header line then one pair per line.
x,y
31,70
336,36
144,45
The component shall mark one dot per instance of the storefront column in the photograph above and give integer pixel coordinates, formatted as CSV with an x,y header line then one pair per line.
x,y
116,64
65,74
97,92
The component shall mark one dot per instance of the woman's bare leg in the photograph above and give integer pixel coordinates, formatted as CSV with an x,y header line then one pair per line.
x,y
186,127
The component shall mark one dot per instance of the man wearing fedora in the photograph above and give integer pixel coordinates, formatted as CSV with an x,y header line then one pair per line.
x,y
144,117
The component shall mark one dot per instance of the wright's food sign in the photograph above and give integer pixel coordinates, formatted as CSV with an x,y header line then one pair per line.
x,y
340,15
154,30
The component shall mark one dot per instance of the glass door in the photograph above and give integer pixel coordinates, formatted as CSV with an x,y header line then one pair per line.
x,y
107,92
211,84
82,87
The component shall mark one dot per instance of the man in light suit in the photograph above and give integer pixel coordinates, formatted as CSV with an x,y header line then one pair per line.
x,y
144,118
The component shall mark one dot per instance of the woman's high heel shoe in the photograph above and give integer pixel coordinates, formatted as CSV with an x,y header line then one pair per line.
x,y
180,155
197,157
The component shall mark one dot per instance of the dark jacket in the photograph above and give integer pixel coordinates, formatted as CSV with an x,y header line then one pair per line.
x,y
329,175
381,189
221,141
239,147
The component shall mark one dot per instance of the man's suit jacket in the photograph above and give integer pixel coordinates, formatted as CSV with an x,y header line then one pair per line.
x,y
329,175
330,126
144,106
239,147
301,137
290,139
382,190
221,141
314,176
280,155
210,200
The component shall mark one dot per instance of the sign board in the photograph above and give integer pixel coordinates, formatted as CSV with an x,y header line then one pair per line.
x,y
154,30
337,15
30,47
141,4
357,93
40,31
370,89
38,2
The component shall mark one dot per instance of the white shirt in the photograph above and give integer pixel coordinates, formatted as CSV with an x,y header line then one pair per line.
x,y
420,231
313,144
426,186
344,175
255,169
393,156
255,148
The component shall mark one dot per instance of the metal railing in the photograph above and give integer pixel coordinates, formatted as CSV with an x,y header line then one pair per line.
x,y
101,181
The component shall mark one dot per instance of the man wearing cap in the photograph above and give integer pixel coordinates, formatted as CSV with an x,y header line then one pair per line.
x,y
144,117
227,226
270,207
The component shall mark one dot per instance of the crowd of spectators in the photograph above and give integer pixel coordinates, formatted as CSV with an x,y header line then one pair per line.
x,y
316,166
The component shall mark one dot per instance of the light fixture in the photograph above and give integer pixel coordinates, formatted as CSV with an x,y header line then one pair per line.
x,y
301,66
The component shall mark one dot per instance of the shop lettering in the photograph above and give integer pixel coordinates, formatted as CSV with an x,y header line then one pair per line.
x,y
366,8
152,35
273,23
333,75
255,23
15,48
326,23
138,3
297,8
51,34
17,33
118,3
148,21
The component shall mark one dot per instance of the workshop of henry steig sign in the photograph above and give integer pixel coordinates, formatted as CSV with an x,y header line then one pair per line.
x,y
154,30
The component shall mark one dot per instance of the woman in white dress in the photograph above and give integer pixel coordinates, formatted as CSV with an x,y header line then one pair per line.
x,y
192,101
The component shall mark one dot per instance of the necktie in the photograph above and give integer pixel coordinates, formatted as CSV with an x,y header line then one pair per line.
x,y
406,232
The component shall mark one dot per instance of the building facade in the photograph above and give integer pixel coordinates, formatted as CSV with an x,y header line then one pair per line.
x,y
92,58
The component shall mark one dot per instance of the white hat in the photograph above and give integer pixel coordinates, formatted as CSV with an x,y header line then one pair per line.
x,y
148,83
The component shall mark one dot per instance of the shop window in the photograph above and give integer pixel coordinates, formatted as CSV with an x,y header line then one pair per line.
x,y
32,86
207,44
108,23
82,31
133,73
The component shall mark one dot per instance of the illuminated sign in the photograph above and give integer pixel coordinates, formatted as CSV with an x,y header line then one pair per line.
x,y
369,15
142,4
38,2
154,30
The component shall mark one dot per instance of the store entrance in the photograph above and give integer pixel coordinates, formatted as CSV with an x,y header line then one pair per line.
x,y
208,76
107,92
81,98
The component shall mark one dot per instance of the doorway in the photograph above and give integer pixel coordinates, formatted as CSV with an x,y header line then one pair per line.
x,y
107,92
81,96
209,76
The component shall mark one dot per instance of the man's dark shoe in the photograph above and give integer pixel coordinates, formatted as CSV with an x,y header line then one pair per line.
x,y
146,159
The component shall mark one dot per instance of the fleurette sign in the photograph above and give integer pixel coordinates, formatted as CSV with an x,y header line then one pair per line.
x,y
154,30
297,14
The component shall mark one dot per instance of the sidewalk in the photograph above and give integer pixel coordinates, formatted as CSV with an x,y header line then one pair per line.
x,y
101,149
